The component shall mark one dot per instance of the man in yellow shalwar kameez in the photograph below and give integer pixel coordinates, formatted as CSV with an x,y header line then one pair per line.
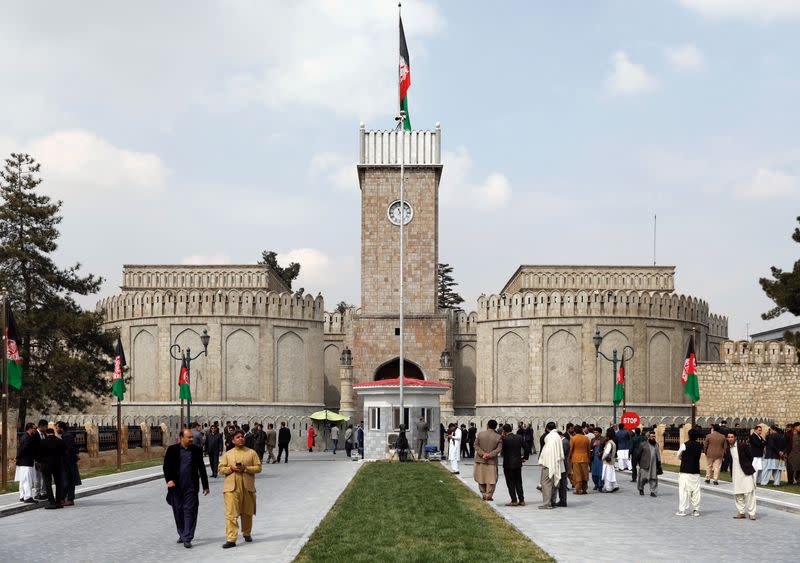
x,y
239,465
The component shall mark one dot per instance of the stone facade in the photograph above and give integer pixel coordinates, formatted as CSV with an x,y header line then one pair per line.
x,y
752,380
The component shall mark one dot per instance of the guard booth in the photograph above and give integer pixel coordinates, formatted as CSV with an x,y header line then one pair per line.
x,y
382,417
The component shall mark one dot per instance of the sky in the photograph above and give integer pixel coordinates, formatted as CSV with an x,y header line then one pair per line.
x,y
206,132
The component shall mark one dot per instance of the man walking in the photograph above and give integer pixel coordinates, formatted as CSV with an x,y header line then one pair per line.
x,y
270,440
472,433
72,476
793,453
284,437
214,448
184,469
197,435
464,446
26,454
689,476
636,440
773,457
579,451
649,464
259,440
623,448
348,440
422,437
714,448
552,462
743,477
335,437
488,445
513,453
454,451
757,449
239,465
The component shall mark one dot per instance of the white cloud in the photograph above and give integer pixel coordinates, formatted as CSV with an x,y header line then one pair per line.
x,y
206,260
459,188
763,10
628,78
320,272
685,58
337,169
78,164
769,184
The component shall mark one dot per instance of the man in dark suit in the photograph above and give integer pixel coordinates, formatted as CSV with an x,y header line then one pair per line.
x,y
38,481
72,476
284,437
214,448
472,433
53,453
183,469
513,452
26,454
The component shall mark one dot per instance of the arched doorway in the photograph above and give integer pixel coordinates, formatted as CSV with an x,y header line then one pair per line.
x,y
391,370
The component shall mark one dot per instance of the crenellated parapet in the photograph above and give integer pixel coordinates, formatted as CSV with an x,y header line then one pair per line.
x,y
246,276
558,304
601,278
717,325
746,352
464,322
232,302
336,322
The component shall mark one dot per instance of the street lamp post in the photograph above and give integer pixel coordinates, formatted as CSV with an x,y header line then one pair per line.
x,y
614,359
186,356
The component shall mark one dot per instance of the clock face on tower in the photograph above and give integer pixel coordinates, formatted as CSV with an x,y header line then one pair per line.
x,y
394,213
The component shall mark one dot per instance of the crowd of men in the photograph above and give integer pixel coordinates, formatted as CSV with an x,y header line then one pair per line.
x,y
569,458
47,458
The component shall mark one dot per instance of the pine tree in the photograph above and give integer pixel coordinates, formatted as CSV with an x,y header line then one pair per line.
x,y
287,274
448,298
342,306
65,352
784,290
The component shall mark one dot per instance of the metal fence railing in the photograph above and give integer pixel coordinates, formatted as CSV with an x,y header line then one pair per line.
x,y
156,437
134,437
107,438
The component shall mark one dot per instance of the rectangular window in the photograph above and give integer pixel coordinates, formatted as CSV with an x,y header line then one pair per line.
x,y
396,417
374,418
426,414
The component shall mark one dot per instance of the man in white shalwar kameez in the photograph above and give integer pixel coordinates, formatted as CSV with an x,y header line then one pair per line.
x,y
743,477
454,451
552,461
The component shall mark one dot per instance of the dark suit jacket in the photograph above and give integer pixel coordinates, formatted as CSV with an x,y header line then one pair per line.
x,y
513,451
26,450
643,455
284,436
745,458
53,454
70,449
214,444
172,466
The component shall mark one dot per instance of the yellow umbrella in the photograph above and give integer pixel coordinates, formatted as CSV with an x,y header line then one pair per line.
x,y
328,415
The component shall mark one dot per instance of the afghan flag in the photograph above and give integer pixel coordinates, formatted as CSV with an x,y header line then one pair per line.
x,y
118,388
13,359
183,381
405,77
691,386
619,386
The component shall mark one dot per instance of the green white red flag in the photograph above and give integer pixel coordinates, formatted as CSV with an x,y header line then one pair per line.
x,y
691,386
183,381
619,385
13,359
405,77
118,388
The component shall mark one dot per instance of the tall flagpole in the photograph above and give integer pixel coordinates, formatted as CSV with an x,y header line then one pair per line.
x,y
402,229
4,372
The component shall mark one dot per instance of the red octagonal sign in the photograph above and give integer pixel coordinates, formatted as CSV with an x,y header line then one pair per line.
x,y
630,420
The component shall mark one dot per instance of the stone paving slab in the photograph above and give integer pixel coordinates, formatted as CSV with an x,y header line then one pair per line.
x,y
624,526
135,523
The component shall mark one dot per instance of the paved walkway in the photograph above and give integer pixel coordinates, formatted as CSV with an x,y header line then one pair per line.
x,y
135,523
624,526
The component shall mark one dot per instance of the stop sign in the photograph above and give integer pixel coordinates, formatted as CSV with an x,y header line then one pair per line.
x,y
630,420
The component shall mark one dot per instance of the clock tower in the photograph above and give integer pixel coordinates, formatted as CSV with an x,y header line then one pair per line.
x,y
376,339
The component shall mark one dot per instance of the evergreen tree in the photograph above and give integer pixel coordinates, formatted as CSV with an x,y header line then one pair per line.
x,y
448,297
66,354
287,274
784,290
343,306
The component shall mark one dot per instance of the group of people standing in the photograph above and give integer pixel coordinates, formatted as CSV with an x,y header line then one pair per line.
x,y
215,443
46,458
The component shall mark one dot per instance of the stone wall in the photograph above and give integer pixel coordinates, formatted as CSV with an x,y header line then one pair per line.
x,y
754,379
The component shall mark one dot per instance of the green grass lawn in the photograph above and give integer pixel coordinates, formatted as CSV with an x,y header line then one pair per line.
x,y
13,486
414,512
795,489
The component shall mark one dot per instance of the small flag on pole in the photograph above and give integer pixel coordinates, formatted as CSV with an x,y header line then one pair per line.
x,y
405,77
619,386
13,359
183,381
118,388
691,386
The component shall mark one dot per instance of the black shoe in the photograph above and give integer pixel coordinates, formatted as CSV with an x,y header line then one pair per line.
x,y
287,461
52,506
187,544
40,497
179,540
248,539
615,489
228,544
653,495
30,500
708,481
562,505
716,482
641,493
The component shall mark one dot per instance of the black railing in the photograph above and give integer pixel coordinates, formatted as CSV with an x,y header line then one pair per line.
x,y
672,438
80,439
134,437
107,437
156,437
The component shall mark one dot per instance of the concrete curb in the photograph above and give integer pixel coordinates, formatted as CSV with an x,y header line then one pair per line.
x,y
85,492
793,508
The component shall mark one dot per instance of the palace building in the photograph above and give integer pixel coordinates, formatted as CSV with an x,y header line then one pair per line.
x,y
525,353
